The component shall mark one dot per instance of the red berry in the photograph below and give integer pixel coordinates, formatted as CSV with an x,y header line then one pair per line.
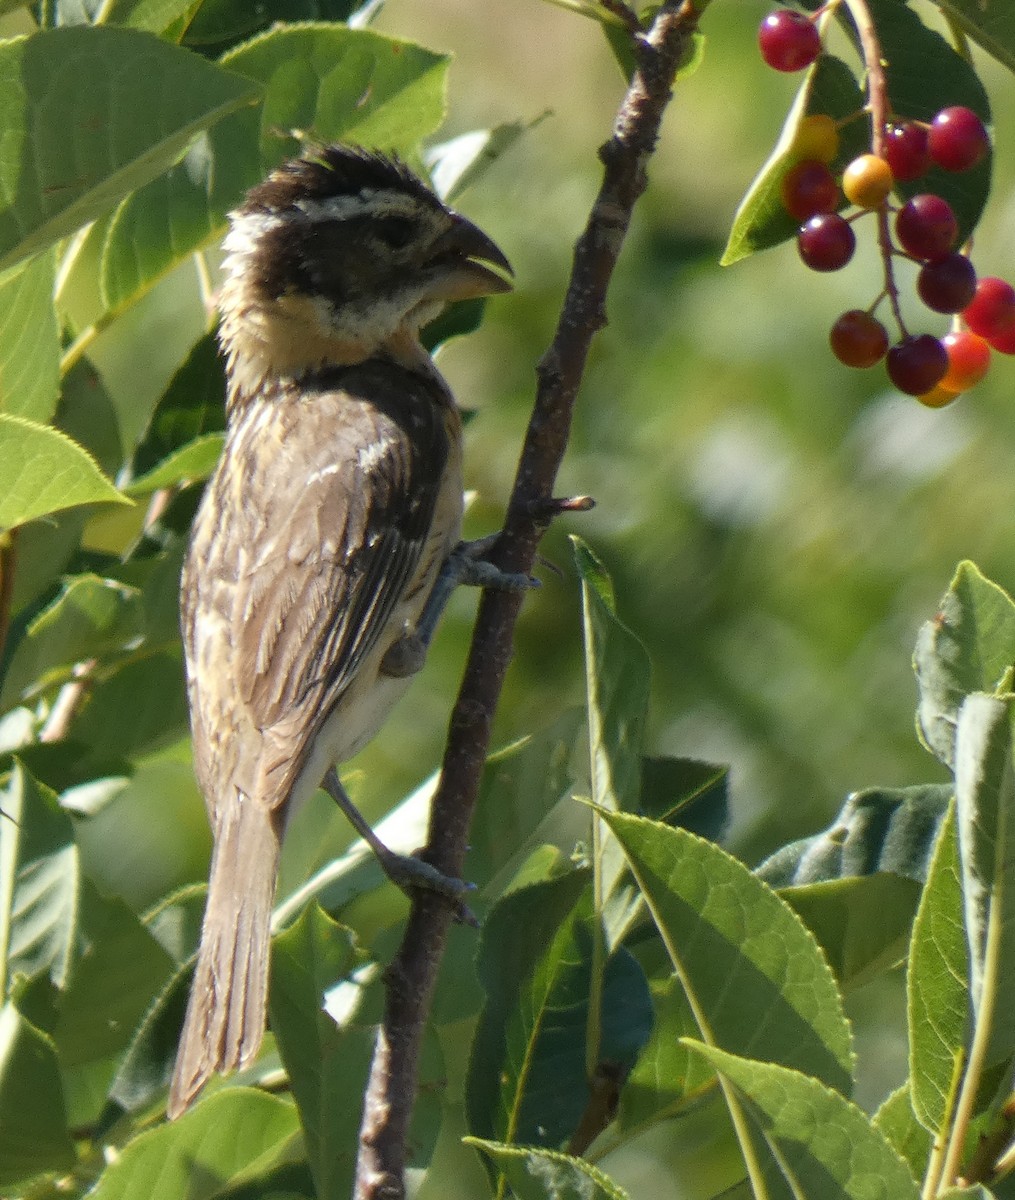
x,y
968,361
926,227
789,41
906,150
826,242
991,313
958,139
807,189
1004,342
917,364
938,397
947,285
858,339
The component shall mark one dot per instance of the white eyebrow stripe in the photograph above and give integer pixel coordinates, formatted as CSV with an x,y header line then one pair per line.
x,y
380,203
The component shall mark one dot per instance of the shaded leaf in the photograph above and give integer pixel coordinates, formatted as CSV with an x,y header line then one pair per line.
x,y
753,973
192,462
307,960
40,883
826,1147
91,618
926,75
861,922
90,113
456,165
525,969
45,471
991,25
119,970
192,406
33,1117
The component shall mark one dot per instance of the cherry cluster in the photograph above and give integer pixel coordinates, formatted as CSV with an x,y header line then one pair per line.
x,y
924,230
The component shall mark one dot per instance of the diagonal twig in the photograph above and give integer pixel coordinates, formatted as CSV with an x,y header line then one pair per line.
x,y
412,975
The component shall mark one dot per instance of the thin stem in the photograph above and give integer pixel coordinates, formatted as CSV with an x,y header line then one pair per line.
x,y
411,977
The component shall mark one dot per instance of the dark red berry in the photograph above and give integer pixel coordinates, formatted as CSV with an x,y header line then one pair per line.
x,y
789,41
948,284
991,312
958,139
1004,341
807,189
906,150
826,242
926,227
858,339
917,364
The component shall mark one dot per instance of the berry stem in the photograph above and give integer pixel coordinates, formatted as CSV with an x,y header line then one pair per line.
x,y
878,104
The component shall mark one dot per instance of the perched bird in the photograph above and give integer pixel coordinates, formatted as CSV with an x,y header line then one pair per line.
x,y
320,553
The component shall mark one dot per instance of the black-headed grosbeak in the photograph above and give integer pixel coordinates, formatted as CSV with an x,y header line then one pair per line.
x,y
322,535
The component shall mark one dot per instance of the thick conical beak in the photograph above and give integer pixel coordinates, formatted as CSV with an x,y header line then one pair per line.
x,y
459,261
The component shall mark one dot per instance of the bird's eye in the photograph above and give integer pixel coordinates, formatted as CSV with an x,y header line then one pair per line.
x,y
395,232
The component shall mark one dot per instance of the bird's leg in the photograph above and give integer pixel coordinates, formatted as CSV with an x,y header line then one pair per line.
x,y
467,564
404,870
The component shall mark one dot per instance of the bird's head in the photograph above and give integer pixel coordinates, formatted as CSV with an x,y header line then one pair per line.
x,y
340,255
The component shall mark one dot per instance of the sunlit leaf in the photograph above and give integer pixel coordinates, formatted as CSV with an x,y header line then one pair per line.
x,y
89,113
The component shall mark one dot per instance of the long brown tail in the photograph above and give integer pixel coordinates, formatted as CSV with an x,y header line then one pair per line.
x,y
228,998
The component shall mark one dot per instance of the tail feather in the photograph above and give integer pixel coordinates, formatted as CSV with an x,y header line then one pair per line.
x,y
228,998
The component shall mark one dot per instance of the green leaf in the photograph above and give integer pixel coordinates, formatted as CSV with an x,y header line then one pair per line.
x,y
880,829
968,646
685,792
826,1147
307,960
985,806
120,971
753,973
761,220
138,707
190,463
334,82
991,25
937,988
537,1174
44,471
41,882
667,1073
897,1121
155,16
525,801
617,677
524,966
29,341
33,1117
237,1135
91,618
192,407
456,165
862,923
90,113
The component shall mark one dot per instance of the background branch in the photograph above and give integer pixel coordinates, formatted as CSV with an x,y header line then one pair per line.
x,y
412,975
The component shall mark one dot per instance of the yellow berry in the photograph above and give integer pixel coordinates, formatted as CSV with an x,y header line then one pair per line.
x,y
867,181
816,139
938,397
